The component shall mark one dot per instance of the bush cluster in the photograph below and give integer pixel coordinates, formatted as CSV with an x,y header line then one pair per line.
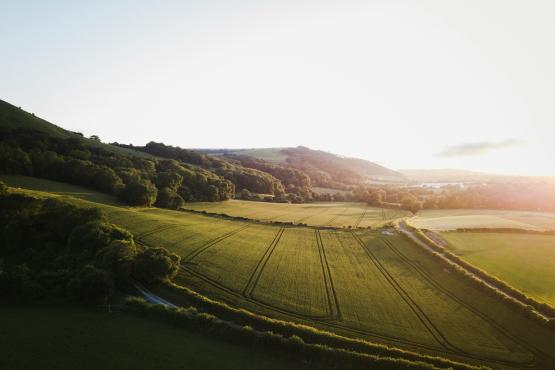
x,y
50,248
136,181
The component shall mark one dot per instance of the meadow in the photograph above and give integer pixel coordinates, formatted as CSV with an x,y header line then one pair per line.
x,y
452,219
524,261
361,283
74,337
329,214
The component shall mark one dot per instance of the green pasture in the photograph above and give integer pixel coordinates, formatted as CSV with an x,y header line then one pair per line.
x,y
525,261
452,219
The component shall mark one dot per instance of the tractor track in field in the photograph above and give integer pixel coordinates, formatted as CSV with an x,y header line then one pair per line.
x,y
311,318
273,218
472,309
188,270
188,258
310,215
362,216
141,237
247,292
257,272
416,309
450,347
335,217
334,320
333,303
325,321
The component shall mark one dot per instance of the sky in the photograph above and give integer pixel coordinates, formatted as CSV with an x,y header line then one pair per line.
x,y
466,84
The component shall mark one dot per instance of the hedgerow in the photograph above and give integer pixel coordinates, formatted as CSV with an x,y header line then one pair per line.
x,y
292,346
540,312
186,297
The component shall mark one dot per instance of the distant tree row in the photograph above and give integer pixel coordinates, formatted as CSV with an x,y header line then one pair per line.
x,y
52,249
254,180
529,196
137,181
294,180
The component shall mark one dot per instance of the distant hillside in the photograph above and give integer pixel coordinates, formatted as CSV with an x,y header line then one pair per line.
x,y
325,169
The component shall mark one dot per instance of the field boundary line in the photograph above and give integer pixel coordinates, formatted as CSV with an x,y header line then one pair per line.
x,y
333,303
199,250
416,309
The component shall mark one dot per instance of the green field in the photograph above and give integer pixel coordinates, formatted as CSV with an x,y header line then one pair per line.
x,y
525,261
59,188
312,214
451,219
363,283
76,338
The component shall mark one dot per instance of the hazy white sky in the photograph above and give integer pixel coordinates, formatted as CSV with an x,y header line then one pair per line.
x,y
407,84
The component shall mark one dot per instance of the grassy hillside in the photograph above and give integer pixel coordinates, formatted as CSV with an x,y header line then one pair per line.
x,y
525,261
313,214
451,219
59,188
69,338
363,284
12,117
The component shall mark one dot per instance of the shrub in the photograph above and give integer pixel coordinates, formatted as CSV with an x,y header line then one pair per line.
x,y
155,265
139,193
92,285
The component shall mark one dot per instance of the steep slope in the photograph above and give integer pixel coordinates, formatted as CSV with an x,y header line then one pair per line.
x,y
12,117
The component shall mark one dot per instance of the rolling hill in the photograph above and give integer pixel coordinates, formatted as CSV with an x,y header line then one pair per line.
x,y
325,169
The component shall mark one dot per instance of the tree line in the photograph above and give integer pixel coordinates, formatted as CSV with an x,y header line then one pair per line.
x,y
527,196
52,249
243,178
136,181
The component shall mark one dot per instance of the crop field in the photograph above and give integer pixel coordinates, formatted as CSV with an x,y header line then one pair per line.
x,y
312,214
361,283
452,219
525,261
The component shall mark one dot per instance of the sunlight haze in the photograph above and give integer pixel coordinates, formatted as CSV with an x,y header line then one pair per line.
x,y
428,84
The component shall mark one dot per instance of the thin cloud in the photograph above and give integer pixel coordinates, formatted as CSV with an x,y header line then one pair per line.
x,y
479,148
